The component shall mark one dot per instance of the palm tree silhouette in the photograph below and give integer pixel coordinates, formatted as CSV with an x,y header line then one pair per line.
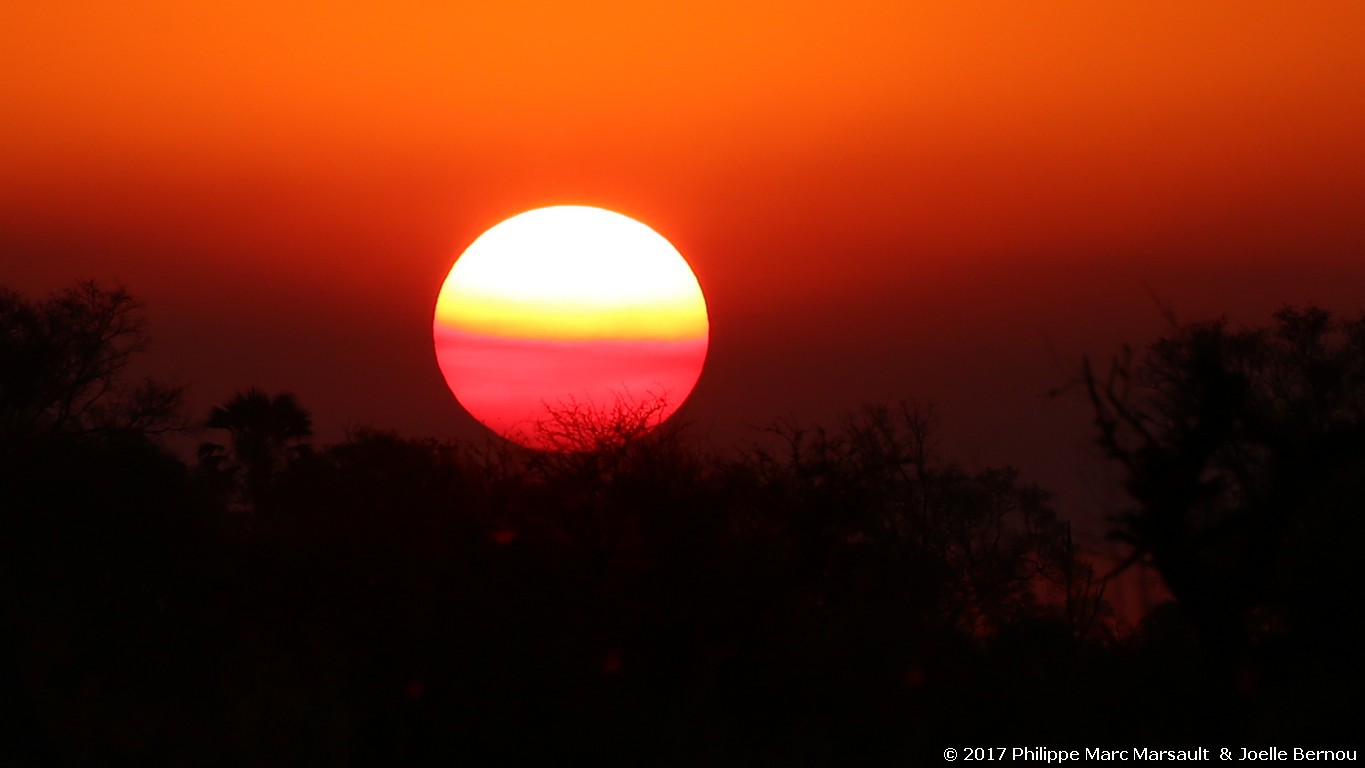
x,y
265,434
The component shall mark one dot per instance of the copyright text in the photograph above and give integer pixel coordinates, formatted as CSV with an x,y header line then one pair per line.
x,y
1143,754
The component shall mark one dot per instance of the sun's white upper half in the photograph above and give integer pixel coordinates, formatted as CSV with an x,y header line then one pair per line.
x,y
572,272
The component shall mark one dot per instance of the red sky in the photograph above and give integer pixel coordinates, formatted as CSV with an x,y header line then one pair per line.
x,y
947,201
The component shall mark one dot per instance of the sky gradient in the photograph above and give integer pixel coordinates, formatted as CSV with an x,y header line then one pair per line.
x,y
946,201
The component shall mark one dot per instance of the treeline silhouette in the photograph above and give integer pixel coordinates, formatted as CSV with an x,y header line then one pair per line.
x,y
828,596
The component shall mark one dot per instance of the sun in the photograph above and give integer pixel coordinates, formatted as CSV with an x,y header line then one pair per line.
x,y
570,316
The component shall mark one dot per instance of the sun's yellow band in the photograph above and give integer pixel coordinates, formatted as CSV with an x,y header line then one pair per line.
x,y
513,318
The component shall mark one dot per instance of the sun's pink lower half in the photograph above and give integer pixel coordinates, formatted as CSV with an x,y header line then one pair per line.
x,y
511,385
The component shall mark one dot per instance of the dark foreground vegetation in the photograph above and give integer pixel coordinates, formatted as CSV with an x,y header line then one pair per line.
x,y
835,596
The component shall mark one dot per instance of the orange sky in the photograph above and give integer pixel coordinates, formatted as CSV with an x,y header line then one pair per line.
x,y
937,200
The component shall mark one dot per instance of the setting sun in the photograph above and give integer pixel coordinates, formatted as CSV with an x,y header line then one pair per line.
x,y
568,306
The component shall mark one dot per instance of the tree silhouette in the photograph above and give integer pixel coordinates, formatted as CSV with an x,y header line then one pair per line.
x,y
97,539
63,362
265,433
1243,452
982,548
